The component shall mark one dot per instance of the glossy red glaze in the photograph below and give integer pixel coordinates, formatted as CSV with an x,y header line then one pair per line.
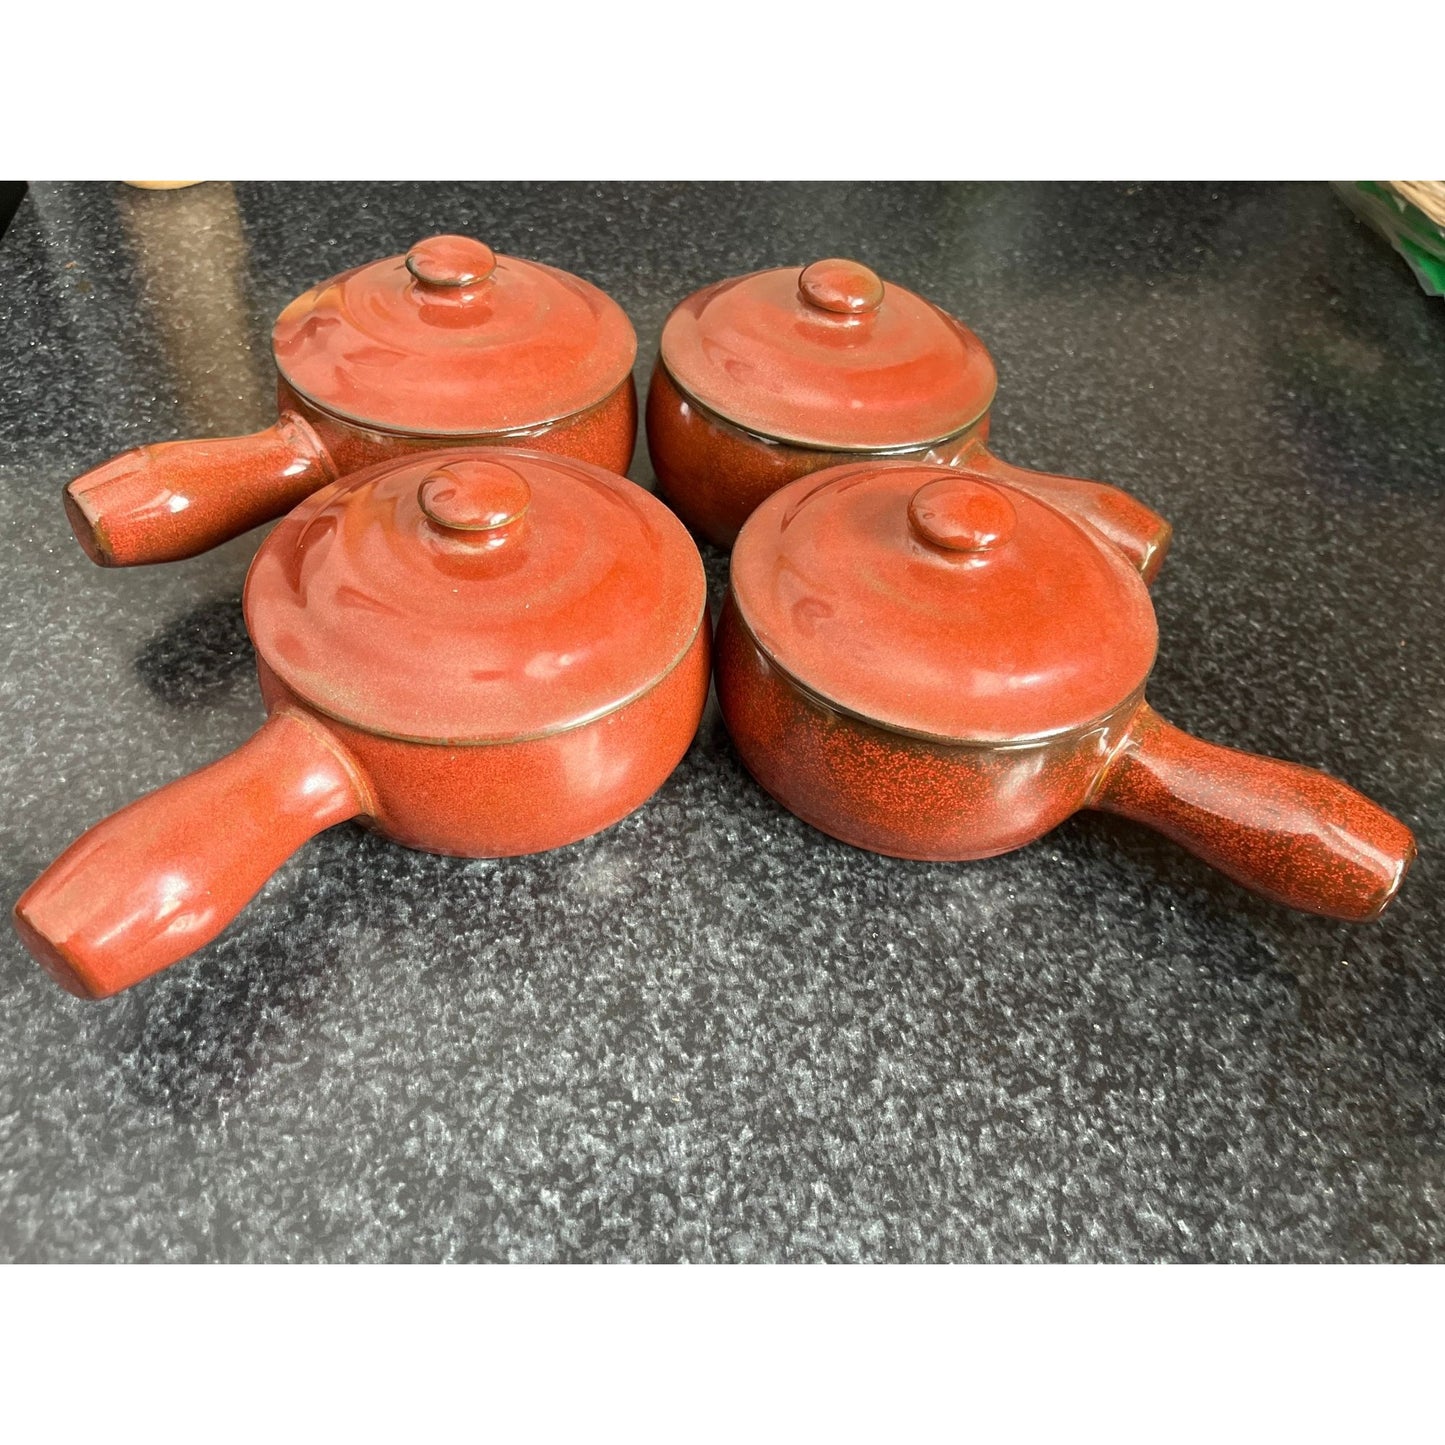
x,y
844,287
454,340
766,378
584,591
165,875
887,791
1295,835
714,475
962,514
831,357
1290,833
451,261
404,356
498,800
175,500
475,495
1037,632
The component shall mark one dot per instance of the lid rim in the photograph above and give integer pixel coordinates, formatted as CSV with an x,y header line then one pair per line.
x,y
812,446
1135,695
526,429
481,742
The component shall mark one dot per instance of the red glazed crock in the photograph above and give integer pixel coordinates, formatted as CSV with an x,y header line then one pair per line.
x,y
450,345
926,663
766,378
482,653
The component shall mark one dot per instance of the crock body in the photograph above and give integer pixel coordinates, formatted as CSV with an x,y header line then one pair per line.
x,y
497,800
604,435
889,792
714,475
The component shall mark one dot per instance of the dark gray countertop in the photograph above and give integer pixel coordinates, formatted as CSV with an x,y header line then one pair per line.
x,y
712,1033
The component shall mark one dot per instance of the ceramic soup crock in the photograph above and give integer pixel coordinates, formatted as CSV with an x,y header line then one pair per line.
x,y
481,653
451,345
925,662
765,378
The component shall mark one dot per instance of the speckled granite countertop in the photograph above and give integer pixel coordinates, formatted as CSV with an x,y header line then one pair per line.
x,y
711,1033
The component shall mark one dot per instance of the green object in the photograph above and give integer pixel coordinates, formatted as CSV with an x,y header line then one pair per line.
x,y
1408,229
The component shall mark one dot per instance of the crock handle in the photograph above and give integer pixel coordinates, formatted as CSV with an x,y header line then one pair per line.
x,y
175,499
162,877
1287,832
1142,535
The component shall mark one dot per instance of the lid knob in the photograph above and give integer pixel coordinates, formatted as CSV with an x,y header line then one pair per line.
x,y
473,495
847,288
962,514
448,262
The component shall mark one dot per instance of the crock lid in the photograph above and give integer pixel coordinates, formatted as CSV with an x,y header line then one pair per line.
x,y
933,602
485,595
453,339
828,357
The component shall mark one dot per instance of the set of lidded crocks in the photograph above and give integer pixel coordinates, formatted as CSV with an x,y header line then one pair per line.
x,y
477,637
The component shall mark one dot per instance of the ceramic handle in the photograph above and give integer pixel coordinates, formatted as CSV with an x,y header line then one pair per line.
x,y
162,877
1289,833
173,500
1143,536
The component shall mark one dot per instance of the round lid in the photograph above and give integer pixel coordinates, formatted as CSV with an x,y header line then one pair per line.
x,y
454,339
930,601
828,357
475,596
